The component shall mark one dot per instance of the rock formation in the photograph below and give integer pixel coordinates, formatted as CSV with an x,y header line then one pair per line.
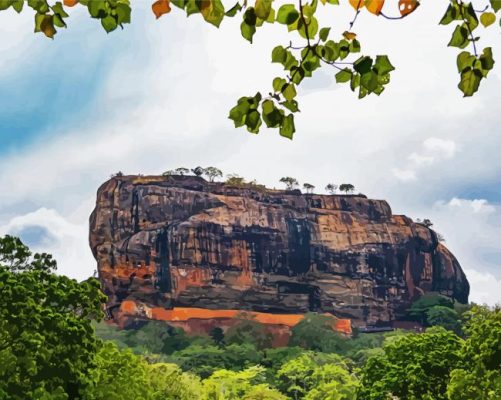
x,y
181,242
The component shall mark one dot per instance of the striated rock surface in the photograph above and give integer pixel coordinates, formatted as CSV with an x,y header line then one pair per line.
x,y
182,242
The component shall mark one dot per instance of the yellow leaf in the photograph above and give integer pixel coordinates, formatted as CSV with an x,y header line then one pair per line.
x,y
407,6
357,4
47,26
374,6
349,35
161,7
487,18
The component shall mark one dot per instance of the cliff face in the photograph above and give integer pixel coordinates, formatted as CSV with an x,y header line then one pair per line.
x,y
164,242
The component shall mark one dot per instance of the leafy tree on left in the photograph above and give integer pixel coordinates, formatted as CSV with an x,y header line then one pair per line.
x,y
47,342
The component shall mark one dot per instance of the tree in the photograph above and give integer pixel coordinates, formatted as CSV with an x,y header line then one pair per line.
x,y
419,308
331,188
477,376
308,187
248,331
156,337
263,392
198,171
300,375
181,171
213,173
332,382
347,188
426,222
47,342
217,335
203,360
290,183
231,385
365,74
167,381
315,332
234,180
414,366
445,317
118,374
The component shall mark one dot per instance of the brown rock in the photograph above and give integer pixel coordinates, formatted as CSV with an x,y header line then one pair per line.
x,y
165,242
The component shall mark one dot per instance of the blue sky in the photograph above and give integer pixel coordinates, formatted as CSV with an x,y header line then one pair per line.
x,y
155,96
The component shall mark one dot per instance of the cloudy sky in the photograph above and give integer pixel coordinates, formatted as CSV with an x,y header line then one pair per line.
x,y
155,96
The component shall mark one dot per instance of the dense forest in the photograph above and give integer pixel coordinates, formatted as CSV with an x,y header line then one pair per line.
x,y
54,344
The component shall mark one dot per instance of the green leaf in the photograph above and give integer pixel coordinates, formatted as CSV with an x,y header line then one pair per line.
x,y
465,60
487,18
355,82
324,34
289,91
263,8
253,121
344,49
123,13
355,46
291,105
496,5
247,30
288,128
309,29
109,23
234,10
344,76
363,65
459,37
18,5
272,116
239,112
287,14
331,51
297,74
383,65
58,9
370,81
470,81
278,84
452,14
279,55
486,61
97,9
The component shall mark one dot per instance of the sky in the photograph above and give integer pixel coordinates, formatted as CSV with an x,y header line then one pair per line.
x,y
155,96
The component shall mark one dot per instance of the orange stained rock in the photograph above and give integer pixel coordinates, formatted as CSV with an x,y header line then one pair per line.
x,y
183,314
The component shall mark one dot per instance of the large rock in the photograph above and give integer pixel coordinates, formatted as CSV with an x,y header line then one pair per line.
x,y
175,241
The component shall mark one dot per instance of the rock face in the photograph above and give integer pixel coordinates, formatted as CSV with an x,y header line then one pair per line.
x,y
166,242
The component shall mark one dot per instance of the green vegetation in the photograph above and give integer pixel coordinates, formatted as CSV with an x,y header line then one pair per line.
x,y
290,183
53,345
310,46
331,188
347,188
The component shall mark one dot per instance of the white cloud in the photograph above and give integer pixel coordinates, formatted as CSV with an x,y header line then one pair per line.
x,y
169,109
472,229
404,174
433,150
442,147
477,205
485,287
66,241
